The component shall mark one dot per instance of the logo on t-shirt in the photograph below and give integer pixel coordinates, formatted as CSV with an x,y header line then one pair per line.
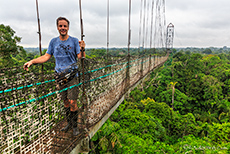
x,y
64,49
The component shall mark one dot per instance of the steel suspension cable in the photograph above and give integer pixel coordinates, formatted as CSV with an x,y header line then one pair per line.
x,y
147,21
164,23
39,32
82,55
160,25
156,24
39,29
140,28
129,29
143,39
151,33
107,28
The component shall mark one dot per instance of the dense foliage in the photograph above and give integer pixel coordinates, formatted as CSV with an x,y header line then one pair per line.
x,y
9,47
197,120
184,107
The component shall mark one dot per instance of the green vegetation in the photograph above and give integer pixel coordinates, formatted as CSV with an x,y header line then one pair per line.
x,y
197,120
183,108
9,50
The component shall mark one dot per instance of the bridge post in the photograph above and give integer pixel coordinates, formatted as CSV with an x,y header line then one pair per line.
x,y
150,62
153,60
157,59
127,81
141,71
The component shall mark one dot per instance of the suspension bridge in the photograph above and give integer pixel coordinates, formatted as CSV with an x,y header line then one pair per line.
x,y
31,109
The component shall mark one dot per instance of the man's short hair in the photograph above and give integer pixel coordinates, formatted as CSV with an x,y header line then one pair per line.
x,y
62,18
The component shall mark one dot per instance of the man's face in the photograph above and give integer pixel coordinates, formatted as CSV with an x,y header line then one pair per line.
x,y
63,27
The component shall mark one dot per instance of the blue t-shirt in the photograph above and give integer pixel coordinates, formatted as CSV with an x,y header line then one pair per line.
x,y
64,52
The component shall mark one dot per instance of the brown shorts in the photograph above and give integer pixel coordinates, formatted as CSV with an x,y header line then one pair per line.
x,y
72,92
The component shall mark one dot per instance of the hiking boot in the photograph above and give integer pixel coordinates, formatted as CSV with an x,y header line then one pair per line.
x,y
74,118
75,131
69,125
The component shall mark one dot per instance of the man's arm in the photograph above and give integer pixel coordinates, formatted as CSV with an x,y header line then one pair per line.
x,y
38,60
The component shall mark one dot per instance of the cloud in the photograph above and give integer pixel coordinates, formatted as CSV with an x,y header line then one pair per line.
x,y
197,23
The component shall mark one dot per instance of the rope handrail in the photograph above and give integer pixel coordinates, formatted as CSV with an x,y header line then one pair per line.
x,y
27,86
48,81
65,89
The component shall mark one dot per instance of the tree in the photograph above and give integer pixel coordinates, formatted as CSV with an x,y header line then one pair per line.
x,y
220,132
181,101
212,88
106,139
8,45
143,125
173,90
207,51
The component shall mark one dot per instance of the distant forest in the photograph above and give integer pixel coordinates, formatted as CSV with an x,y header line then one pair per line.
x,y
183,107
209,50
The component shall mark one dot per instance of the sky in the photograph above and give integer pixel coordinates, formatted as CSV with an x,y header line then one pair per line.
x,y
198,23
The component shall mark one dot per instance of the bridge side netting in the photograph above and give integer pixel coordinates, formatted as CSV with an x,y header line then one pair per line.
x,y
32,112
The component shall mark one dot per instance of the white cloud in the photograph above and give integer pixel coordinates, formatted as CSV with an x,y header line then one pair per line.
x,y
197,23
200,23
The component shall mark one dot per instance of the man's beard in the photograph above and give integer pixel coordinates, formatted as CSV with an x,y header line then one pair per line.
x,y
63,34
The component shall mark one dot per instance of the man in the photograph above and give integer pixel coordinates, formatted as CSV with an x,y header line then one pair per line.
x,y
66,50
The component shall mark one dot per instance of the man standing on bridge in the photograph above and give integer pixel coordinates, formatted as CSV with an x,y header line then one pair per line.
x,y
66,50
